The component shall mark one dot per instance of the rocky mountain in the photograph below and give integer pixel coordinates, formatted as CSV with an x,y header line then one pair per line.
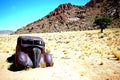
x,y
68,17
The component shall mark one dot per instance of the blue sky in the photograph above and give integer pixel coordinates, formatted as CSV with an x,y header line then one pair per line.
x,y
15,14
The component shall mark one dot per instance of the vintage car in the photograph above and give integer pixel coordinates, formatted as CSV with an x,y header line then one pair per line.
x,y
30,52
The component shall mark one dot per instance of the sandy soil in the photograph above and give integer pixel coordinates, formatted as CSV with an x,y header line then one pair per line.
x,y
85,55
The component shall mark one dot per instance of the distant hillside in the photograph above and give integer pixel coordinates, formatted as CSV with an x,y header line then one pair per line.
x,y
68,17
6,31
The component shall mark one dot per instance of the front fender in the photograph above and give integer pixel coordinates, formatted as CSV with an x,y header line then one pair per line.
x,y
22,60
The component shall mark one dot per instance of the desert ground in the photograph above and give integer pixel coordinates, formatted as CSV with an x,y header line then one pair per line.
x,y
77,55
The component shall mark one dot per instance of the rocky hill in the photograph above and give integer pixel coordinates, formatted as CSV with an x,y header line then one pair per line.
x,y
68,17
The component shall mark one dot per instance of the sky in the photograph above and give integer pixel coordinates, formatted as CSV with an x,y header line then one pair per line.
x,y
15,14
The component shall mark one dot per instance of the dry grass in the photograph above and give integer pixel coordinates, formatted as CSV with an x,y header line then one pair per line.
x,y
80,55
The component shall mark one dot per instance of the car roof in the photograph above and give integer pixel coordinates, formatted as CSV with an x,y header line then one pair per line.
x,y
30,38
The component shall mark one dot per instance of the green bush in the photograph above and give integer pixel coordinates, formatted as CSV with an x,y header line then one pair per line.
x,y
103,22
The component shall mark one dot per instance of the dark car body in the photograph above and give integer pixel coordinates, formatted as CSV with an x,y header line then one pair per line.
x,y
27,43
30,51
